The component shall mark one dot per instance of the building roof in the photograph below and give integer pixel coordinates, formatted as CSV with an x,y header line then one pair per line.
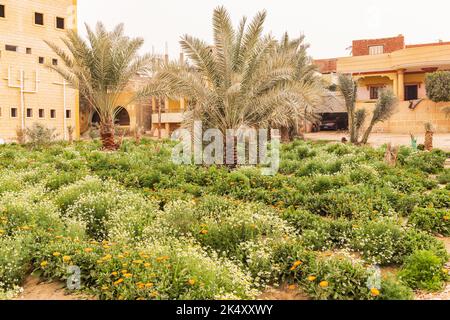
x,y
326,65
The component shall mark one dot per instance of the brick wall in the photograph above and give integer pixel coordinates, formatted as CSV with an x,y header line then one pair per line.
x,y
326,65
361,47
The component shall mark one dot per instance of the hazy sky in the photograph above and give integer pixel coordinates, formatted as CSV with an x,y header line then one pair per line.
x,y
329,25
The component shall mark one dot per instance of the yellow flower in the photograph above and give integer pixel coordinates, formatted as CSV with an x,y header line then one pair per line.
x,y
312,278
124,271
107,257
140,285
446,218
160,259
149,285
138,262
292,287
296,265
44,264
140,299
147,265
1,232
128,275
154,294
204,232
444,270
56,254
324,284
191,282
104,288
116,283
375,292
66,259
88,250
114,274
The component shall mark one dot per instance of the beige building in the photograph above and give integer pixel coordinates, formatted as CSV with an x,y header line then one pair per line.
x,y
29,91
390,63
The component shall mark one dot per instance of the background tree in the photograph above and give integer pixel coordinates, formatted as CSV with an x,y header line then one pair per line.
x,y
347,87
100,68
384,109
244,79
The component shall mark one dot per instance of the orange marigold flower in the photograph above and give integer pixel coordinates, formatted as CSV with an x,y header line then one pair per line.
x,y
292,287
56,254
128,275
114,274
296,265
191,282
375,292
149,285
66,259
204,232
88,250
323,284
118,282
312,278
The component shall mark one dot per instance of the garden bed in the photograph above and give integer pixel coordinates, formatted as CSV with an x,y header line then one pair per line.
x,y
140,227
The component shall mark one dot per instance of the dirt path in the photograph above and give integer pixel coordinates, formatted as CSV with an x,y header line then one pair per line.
x,y
36,290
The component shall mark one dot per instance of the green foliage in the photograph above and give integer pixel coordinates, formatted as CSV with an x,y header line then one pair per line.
x,y
39,135
424,270
432,220
392,289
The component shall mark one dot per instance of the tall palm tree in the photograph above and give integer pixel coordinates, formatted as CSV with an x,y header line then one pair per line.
x,y
306,83
101,67
240,80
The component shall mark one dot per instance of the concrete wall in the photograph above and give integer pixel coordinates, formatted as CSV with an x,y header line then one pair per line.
x,y
18,29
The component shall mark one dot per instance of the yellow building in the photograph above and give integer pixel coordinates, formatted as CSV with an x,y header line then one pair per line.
x,y
29,91
389,63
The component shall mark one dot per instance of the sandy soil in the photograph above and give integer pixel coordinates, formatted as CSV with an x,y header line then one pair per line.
x,y
285,293
440,140
36,290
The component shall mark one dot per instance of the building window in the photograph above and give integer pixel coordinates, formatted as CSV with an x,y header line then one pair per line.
x,y
68,114
374,50
39,18
29,113
53,113
41,113
55,62
0,112
13,112
374,92
411,92
28,51
41,60
10,48
2,11
60,23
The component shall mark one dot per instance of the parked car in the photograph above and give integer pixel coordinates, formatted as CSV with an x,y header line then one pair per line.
x,y
329,125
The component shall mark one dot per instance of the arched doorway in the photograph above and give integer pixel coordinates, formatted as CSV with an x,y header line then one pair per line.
x,y
122,117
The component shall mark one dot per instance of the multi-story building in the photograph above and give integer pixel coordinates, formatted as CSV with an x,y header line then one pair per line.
x,y
389,63
30,92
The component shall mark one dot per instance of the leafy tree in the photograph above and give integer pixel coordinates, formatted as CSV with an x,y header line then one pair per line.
x,y
244,79
438,87
101,67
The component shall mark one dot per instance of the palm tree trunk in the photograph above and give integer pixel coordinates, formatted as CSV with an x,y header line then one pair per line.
x,y
351,127
107,135
365,138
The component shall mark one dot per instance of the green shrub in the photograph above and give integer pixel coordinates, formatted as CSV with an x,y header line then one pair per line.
x,y
429,162
431,220
392,289
423,270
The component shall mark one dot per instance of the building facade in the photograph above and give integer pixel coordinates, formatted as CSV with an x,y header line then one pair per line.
x,y
389,63
30,92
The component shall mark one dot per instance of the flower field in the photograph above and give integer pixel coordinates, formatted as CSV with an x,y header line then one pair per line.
x,y
140,227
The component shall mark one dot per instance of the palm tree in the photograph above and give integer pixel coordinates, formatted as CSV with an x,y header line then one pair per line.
x,y
240,80
384,109
347,87
101,67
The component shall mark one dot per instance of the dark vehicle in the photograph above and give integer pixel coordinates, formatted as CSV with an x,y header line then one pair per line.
x,y
334,121
329,125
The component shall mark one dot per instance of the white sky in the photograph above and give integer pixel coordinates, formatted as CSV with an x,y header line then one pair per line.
x,y
329,25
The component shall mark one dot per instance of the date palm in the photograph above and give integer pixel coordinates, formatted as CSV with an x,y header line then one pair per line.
x,y
241,80
101,67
